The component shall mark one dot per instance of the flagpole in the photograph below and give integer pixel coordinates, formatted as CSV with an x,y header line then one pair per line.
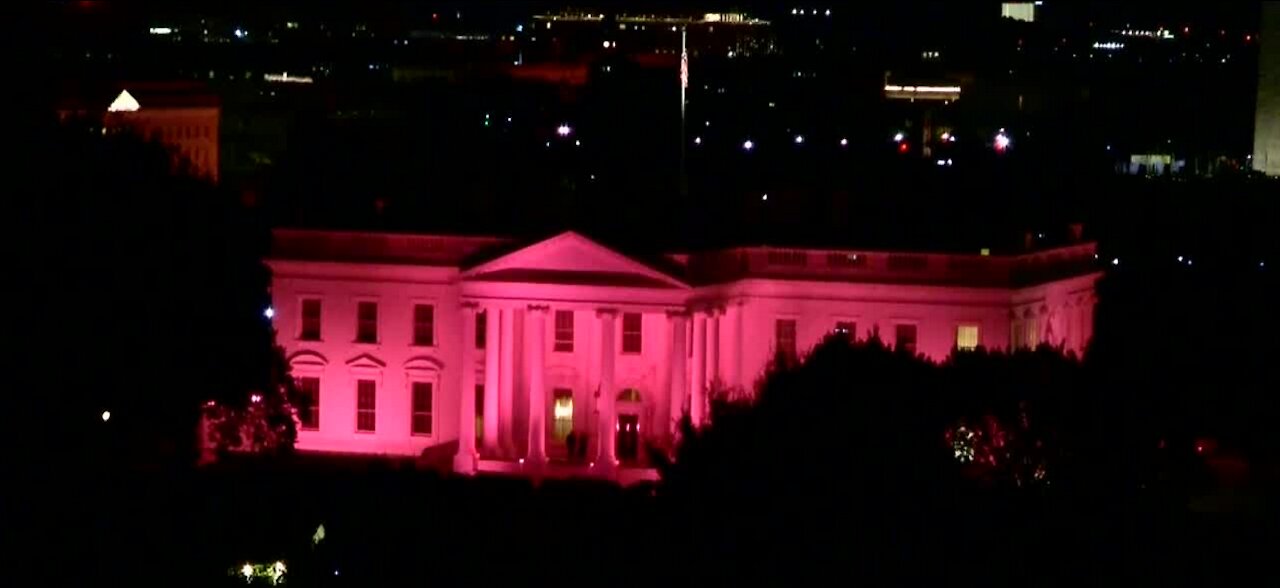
x,y
684,85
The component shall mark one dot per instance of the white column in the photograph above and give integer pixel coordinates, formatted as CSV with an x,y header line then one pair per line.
x,y
736,343
507,383
606,458
464,462
535,322
492,345
677,364
698,390
713,347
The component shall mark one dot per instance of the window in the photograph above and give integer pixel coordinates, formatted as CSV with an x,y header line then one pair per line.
x,y
367,322
846,328
309,402
784,337
788,258
562,412
967,337
424,325
422,408
846,260
310,320
482,322
479,411
632,340
904,337
564,331
366,405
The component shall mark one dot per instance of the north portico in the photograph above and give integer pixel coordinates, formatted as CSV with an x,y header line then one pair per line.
x,y
568,358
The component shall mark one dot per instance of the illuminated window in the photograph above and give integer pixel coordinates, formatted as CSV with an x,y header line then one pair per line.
x,y
482,321
367,322
309,402
564,331
846,328
784,336
424,325
366,405
422,393
904,337
562,412
310,320
967,337
629,395
632,340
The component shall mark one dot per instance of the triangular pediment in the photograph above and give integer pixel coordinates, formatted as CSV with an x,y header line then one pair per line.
x,y
125,102
570,258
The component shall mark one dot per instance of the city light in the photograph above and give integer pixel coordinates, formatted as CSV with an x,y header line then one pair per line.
x,y
697,140
270,313
240,33
897,138
904,147
844,142
161,30
764,197
1002,141
106,415
1115,261
799,140
256,398
607,44
564,130
284,77
748,145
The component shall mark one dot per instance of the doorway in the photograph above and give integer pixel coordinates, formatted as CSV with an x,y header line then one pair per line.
x,y
628,442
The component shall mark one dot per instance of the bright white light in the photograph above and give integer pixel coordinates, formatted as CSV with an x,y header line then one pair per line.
x,y
765,197
827,13
1002,141
793,12
946,136
125,102
697,140
519,28
284,77
1115,261
1262,264
577,143
240,33
1179,259
256,398
563,130
898,137
522,461
923,89
161,30
106,415
748,145
799,139
949,162
269,312
247,571
607,44
844,142
942,162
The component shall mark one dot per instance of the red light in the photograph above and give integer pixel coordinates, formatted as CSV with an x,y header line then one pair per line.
x,y
1248,38
1199,448
904,147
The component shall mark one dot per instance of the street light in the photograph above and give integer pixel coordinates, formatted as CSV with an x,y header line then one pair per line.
x,y
748,145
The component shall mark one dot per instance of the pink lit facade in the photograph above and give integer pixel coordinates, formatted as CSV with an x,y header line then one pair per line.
x,y
517,359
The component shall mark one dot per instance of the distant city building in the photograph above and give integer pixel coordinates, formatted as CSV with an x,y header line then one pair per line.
x,y
1023,11
1266,138
182,116
566,358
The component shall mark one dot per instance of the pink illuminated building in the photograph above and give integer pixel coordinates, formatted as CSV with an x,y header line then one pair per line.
x,y
565,357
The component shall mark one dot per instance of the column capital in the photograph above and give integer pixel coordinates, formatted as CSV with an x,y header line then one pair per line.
x,y
607,311
539,308
675,314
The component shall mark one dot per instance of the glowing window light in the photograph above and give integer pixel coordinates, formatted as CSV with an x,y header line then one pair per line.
x,y
563,408
285,78
922,89
564,130
799,140
967,337
125,102
748,145
160,30
269,312
106,415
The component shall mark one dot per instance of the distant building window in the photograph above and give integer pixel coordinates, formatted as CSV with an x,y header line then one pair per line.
x,y
784,336
967,337
562,412
310,320
788,258
422,392
424,325
367,322
564,331
846,328
904,337
366,406
309,402
846,260
632,341
482,322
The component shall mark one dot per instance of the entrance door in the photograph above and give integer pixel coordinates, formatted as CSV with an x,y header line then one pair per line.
x,y
628,446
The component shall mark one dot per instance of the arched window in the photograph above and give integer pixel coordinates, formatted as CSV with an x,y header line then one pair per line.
x,y
629,395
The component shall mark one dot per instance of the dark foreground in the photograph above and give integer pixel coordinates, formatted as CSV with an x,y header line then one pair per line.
x,y
392,525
